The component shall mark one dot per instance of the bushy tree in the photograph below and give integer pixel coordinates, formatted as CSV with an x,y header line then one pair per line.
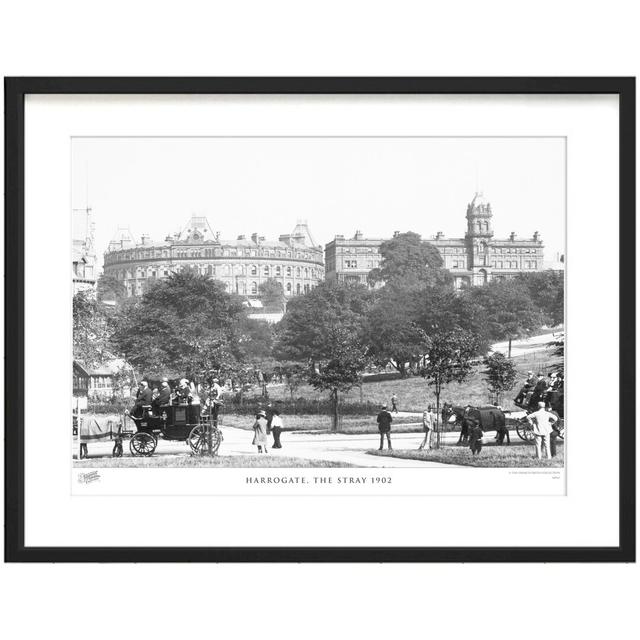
x,y
501,374
325,330
546,289
91,330
186,323
393,334
110,289
407,260
272,294
505,310
450,358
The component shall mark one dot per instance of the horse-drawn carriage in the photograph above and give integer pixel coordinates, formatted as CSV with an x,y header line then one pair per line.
x,y
490,417
177,422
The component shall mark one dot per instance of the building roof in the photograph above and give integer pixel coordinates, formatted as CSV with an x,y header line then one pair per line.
x,y
196,230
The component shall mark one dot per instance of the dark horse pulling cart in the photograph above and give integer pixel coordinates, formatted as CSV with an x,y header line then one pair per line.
x,y
491,417
178,422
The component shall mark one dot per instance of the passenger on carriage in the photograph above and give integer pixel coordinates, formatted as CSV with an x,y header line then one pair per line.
x,y
526,388
183,392
162,396
165,393
144,398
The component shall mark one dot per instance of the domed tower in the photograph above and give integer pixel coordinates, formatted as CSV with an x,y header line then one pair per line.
x,y
479,218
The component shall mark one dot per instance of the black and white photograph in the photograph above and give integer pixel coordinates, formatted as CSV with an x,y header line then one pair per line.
x,y
318,302
334,321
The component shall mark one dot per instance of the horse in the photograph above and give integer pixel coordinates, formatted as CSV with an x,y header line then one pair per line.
x,y
456,415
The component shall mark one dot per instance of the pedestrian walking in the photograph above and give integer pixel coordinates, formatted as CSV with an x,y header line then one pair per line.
x,y
428,422
542,422
276,428
384,426
260,431
476,436
394,403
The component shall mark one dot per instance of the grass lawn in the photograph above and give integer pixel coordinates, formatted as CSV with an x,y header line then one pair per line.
x,y
197,461
414,394
515,455
322,423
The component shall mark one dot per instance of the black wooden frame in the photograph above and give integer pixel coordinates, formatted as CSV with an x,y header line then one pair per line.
x,y
15,91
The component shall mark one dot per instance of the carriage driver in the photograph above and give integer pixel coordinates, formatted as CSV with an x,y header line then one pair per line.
x,y
144,398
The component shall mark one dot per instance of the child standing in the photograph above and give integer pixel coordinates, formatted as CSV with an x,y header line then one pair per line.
x,y
260,431
475,438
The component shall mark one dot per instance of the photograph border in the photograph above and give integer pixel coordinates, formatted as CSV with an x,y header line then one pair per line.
x,y
15,91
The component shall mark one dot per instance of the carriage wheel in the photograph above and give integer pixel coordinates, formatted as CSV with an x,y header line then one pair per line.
x,y
142,444
197,440
525,431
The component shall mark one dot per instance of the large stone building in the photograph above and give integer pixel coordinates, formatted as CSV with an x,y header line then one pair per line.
x,y
295,259
351,259
475,259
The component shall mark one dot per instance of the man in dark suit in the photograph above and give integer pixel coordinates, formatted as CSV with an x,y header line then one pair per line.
x,y
539,392
164,395
384,426
144,398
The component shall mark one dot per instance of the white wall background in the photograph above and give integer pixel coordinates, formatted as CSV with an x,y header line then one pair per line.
x,y
321,38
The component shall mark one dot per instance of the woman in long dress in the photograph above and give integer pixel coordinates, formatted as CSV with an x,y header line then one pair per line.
x,y
260,431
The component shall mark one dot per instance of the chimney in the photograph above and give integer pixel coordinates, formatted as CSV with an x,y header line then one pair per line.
x,y
254,238
242,237
358,235
536,237
512,236
439,235
144,238
396,234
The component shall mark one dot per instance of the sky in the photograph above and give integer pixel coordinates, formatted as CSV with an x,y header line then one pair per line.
x,y
338,185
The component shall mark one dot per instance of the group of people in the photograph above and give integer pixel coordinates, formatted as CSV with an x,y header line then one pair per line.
x,y
539,388
267,422
185,392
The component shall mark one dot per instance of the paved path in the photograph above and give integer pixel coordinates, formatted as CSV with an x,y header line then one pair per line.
x,y
343,448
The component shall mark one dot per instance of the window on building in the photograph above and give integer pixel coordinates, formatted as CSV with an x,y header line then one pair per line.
x,y
288,287
254,288
297,272
265,270
298,288
278,270
254,270
289,272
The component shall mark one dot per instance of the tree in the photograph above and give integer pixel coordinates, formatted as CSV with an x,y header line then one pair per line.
x,y
272,294
558,351
407,259
340,372
449,358
392,333
546,289
325,330
91,330
186,323
110,289
501,374
506,310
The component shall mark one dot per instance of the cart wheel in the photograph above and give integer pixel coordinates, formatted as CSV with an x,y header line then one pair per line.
x,y
525,431
198,439
142,444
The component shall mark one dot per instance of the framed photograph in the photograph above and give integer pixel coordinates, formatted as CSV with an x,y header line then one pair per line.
x,y
320,319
